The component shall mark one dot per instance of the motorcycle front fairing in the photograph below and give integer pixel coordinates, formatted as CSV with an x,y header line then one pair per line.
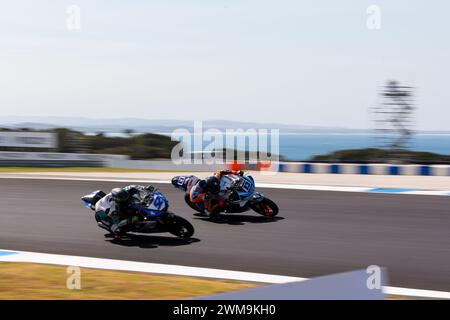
x,y
238,191
246,188
157,207
243,187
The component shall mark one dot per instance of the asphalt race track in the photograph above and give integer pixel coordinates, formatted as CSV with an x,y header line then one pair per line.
x,y
317,233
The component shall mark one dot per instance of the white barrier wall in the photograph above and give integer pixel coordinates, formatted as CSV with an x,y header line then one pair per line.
x,y
160,165
36,156
53,159
120,161
297,167
24,139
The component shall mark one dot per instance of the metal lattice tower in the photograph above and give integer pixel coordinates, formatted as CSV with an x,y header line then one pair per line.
x,y
394,116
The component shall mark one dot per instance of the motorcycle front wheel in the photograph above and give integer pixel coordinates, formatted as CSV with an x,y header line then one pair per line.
x,y
180,227
265,207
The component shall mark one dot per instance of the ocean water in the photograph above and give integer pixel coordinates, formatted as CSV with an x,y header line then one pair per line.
x,y
305,146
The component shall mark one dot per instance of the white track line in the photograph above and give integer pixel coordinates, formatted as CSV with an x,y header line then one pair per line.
x,y
261,185
110,264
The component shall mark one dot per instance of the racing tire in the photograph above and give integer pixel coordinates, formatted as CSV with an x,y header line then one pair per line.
x,y
181,228
265,207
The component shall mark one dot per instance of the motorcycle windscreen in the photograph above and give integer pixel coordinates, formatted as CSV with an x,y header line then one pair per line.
x,y
228,181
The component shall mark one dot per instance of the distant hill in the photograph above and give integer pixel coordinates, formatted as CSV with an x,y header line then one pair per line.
x,y
154,125
164,126
139,147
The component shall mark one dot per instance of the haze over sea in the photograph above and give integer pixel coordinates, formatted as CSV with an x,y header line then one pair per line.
x,y
305,146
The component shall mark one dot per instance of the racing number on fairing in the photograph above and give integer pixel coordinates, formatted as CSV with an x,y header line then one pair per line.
x,y
246,186
181,180
158,202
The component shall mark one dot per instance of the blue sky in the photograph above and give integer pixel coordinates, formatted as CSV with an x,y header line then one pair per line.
x,y
296,62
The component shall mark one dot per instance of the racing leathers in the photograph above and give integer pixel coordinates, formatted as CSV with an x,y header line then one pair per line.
x,y
207,191
118,215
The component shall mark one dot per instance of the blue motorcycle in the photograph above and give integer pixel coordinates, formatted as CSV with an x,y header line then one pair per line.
x,y
237,194
151,215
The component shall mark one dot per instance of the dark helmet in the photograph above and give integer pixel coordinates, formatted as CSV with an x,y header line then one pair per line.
x,y
212,184
120,195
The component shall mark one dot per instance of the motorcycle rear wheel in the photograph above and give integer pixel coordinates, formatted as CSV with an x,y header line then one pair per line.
x,y
193,206
266,207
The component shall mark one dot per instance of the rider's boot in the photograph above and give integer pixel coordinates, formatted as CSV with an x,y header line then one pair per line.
x,y
118,226
115,230
214,212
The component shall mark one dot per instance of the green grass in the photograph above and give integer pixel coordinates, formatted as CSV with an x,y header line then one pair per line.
x,y
40,281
